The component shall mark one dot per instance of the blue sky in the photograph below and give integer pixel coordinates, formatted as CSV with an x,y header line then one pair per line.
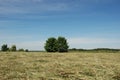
x,y
85,23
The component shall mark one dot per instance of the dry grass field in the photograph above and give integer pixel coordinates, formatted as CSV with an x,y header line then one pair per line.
x,y
59,66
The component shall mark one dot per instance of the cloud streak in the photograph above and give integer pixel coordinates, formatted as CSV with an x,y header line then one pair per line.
x,y
26,42
31,45
92,40
10,9
29,6
93,43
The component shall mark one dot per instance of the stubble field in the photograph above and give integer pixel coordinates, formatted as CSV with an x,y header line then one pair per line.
x,y
59,66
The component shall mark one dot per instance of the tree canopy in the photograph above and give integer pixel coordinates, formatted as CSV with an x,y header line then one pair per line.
x,y
4,47
54,45
62,44
51,45
13,48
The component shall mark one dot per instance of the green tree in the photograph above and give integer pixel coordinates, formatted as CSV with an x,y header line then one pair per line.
x,y
21,50
4,47
62,44
54,45
26,50
13,48
51,45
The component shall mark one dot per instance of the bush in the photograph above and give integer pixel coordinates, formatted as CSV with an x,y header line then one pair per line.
x,y
4,47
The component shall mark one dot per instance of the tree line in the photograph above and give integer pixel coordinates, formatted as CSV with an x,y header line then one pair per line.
x,y
95,50
52,45
59,44
13,48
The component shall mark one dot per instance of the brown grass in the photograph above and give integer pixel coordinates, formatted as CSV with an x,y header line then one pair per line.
x,y
59,66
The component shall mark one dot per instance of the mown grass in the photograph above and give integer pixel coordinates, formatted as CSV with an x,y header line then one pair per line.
x,y
59,66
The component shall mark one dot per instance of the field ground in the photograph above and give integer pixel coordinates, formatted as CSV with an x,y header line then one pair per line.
x,y
59,66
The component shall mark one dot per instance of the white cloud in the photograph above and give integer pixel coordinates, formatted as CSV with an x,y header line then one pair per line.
x,y
23,41
29,6
91,40
31,45
8,7
11,10
37,0
93,43
5,1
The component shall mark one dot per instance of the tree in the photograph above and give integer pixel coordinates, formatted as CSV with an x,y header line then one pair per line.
x,y
51,45
4,47
13,48
62,44
21,50
54,45
26,50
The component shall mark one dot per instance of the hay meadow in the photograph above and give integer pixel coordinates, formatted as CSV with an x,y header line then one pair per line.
x,y
59,66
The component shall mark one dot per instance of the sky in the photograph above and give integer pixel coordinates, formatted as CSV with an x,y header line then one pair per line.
x,y
86,24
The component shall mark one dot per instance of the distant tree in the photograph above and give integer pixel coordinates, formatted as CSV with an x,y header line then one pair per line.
x,y
62,44
26,50
74,49
51,45
4,47
13,48
21,50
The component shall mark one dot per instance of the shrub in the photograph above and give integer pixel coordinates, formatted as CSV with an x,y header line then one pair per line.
x,y
4,47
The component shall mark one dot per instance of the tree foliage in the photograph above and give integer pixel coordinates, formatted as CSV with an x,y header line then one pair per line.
x,y
54,45
13,48
51,45
62,44
26,50
4,47
21,50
